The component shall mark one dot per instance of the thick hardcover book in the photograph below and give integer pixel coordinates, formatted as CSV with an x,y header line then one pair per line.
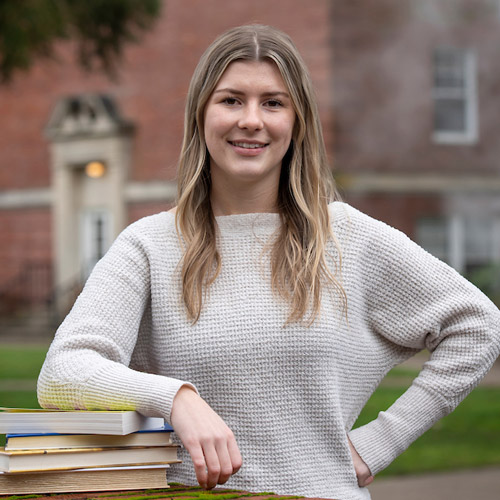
x,y
150,437
105,479
79,458
20,421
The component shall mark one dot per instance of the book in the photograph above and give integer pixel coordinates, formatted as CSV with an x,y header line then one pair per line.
x,y
48,441
78,458
104,479
119,422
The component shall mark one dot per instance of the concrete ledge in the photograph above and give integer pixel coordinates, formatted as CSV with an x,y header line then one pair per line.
x,y
135,192
25,198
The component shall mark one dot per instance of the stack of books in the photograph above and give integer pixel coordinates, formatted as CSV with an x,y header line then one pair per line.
x,y
56,451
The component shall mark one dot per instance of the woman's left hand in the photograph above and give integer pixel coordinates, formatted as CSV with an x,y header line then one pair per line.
x,y
362,471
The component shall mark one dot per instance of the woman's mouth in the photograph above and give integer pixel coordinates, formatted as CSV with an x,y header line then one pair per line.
x,y
248,145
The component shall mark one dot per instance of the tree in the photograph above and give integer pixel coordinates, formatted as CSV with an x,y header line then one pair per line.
x,y
30,29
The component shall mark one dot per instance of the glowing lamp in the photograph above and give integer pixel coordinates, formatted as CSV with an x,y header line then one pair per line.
x,y
95,169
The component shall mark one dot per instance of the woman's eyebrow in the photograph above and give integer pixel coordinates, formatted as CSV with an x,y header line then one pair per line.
x,y
265,94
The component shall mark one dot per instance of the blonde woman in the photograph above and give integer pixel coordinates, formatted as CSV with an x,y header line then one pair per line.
x,y
259,316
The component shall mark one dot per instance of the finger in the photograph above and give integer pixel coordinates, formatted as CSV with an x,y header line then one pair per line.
x,y
235,455
367,481
200,466
362,478
213,465
226,466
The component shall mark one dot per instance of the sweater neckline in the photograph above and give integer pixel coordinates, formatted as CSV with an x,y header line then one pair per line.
x,y
260,222
264,223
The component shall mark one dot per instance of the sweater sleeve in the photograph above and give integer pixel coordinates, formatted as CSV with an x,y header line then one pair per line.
x,y
416,301
87,365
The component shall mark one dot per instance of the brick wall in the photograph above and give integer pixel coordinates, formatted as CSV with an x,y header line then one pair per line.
x,y
138,210
152,86
26,256
401,211
150,91
383,84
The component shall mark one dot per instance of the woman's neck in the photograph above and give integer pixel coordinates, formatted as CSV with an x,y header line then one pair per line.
x,y
241,201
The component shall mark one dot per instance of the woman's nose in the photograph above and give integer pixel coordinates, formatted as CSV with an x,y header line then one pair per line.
x,y
251,117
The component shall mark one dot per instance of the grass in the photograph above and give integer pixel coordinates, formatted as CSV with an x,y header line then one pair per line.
x,y
21,363
19,399
469,437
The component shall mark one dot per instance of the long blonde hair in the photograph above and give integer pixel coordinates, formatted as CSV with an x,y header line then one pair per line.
x,y
298,265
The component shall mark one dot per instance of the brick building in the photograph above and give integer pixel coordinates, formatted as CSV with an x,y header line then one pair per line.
x,y
416,109
407,94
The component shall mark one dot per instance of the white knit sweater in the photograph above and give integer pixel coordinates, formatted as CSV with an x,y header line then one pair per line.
x,y
290,394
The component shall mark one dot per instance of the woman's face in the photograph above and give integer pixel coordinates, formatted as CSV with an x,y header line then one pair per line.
x,y
249,120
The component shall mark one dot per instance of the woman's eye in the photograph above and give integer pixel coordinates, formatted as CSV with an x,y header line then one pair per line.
x,y
230,101
274,103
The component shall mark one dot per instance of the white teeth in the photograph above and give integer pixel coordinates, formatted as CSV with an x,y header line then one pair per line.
x,y
247,145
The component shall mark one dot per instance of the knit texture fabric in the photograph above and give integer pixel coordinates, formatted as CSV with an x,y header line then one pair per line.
x,y
291,394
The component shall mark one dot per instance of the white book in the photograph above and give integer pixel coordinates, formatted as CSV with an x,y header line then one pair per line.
x,y
27,421
79,458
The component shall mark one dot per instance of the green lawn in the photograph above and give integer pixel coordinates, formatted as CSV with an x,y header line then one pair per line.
x,y
469,437
21,362
18,399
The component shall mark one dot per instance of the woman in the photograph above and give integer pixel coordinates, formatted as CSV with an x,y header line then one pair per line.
x,y
258,317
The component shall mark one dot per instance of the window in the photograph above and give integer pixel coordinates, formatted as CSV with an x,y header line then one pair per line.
x,y
432,235
455,99
479,242
465,242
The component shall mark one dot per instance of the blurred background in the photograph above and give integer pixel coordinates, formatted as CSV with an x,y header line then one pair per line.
x,y
91,111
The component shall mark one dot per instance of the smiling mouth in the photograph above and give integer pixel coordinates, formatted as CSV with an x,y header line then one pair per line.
x,y
248,145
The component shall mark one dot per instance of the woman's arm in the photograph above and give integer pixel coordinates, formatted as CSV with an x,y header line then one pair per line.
x,y
87,365
416,301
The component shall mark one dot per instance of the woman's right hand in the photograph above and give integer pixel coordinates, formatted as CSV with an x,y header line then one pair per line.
x,y
362,470
209,441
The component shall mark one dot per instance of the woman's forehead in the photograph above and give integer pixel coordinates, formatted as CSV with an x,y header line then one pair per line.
x,y
250,73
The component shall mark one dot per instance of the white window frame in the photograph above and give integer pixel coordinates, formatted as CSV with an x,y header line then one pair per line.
x,y
468,93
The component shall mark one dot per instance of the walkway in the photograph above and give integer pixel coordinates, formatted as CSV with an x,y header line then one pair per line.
x,y
477,484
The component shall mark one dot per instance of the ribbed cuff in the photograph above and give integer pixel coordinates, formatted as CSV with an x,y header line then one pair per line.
x,y
380,441
119,387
